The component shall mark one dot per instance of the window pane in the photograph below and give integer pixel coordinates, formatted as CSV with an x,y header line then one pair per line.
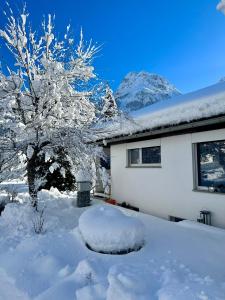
x,y
211,165
151,155
134,156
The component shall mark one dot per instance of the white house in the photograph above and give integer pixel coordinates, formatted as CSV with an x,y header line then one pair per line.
x,y
171,162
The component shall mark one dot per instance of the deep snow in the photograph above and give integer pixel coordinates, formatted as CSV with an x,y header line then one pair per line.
x,y
178,261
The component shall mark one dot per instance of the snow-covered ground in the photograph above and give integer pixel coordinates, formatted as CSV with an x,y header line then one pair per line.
x,y
178,261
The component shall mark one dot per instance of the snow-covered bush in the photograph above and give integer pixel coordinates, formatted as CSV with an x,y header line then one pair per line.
x,y
11,191
107,229
8,194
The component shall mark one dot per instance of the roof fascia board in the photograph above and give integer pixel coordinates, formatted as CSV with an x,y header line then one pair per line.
x,y
202,125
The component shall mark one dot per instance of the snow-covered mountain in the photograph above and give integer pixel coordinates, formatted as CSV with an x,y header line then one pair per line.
x,y
139,89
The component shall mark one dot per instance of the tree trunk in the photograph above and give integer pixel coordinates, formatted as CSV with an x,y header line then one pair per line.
x,y
31,175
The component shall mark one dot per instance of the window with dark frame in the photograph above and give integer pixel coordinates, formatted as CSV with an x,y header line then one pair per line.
x,y
147,156
211,166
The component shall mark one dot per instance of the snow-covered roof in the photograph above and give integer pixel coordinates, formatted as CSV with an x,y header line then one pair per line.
x,y
204,103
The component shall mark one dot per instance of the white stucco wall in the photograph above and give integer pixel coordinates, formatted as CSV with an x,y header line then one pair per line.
x,y
167,190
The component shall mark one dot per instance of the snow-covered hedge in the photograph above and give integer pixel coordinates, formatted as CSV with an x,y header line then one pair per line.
x,y
107,229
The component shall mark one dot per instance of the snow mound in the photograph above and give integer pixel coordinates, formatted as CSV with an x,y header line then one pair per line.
x,y
88,271
106,229
91,292
17,219
91,275
128,282
8,290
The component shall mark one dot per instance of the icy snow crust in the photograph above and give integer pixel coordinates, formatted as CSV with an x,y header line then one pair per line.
x,y
204,103
176,262
107,229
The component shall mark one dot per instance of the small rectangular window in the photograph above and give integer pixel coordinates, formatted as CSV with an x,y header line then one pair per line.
x,y
148,156
134,156
151,155
211,166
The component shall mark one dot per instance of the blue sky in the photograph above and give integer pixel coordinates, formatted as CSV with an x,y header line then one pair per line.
x,y
183,40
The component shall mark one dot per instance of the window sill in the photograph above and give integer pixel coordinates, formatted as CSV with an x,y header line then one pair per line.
x,y
198,190
144,167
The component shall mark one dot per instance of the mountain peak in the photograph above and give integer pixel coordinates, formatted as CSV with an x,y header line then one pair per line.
x,y
139,89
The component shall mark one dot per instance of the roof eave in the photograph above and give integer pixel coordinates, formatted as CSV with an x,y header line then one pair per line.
x,y
205,124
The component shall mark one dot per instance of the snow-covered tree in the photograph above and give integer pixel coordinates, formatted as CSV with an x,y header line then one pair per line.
x,y
110,109
44,98
221,6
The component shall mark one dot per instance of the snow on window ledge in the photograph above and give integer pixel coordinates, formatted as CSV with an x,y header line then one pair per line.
x,y
205,190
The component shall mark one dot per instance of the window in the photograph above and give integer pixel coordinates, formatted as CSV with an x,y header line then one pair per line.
x,y
134,156
211,166
149,156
